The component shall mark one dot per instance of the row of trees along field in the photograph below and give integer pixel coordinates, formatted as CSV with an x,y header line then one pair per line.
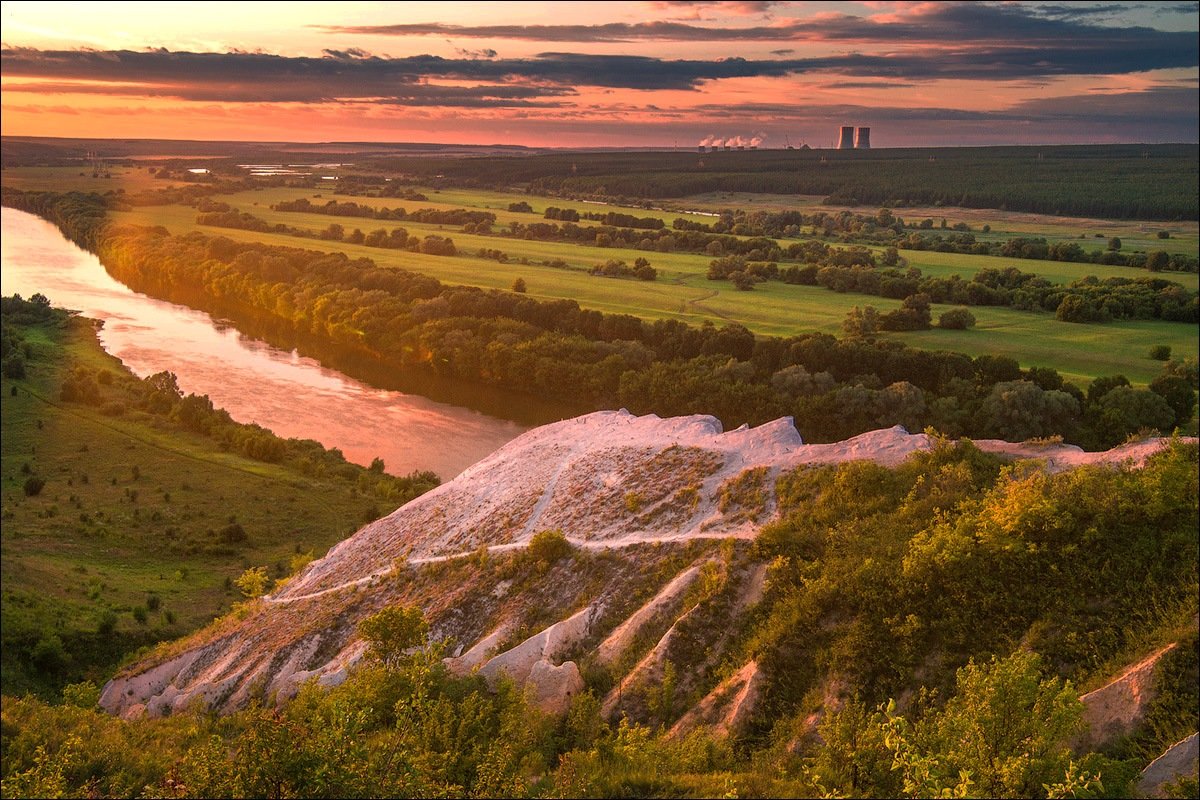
x,y
833,388
839,268
954,605
749,234
1139,181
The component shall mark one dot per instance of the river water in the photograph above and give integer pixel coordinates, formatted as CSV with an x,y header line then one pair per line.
x,y
290,394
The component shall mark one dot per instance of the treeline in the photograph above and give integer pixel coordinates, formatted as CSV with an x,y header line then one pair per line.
x,y
433,216
660,240
1039,248
395,239
884,228
616,268
611,218
833,388
1088,299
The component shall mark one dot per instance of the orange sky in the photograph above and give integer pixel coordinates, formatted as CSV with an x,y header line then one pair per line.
x,y
602,74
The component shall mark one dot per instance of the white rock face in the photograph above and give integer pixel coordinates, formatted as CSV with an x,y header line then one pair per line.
x,y
606,480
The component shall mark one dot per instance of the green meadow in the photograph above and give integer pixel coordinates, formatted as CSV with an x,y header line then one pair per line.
x,y
124,543
682,292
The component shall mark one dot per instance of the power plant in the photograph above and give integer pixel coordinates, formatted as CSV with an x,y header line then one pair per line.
x,y
850,140
718,144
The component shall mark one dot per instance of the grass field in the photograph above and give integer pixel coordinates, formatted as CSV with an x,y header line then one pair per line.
x,y
682,292
126,518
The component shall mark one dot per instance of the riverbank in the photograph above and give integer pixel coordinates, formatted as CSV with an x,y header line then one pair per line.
x,y
122,527
411,418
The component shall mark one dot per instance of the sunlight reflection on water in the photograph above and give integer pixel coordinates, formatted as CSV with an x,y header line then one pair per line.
x,y
279,389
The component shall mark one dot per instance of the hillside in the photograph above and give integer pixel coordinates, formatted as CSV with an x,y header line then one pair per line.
x,y
641,501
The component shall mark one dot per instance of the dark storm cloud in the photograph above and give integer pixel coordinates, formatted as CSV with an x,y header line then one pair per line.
x,y
1158,108
339,74
1061,25
869,85
1080,11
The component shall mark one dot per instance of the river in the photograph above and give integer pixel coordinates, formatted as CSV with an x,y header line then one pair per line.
x,y
290,394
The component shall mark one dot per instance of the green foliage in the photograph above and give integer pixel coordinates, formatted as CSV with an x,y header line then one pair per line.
x,y
1160,352
253,582
80,556
548,546
956,319
393,633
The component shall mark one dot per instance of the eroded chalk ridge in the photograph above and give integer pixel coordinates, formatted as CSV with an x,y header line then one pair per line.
x,y
608,481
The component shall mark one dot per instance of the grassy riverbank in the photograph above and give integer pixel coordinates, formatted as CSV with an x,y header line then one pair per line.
x,y
122,527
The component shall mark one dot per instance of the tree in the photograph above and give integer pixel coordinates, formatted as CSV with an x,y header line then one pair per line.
x,y
1020,410
393,633
1158,261
861,322
1103,385
913,315
1124,411
1076,308
1114,243
518,286
1178,393
742,281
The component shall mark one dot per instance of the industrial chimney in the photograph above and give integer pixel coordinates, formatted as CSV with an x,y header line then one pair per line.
x,y
846,142
863,140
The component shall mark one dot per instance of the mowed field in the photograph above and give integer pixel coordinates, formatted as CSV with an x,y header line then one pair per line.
x,y
1080,352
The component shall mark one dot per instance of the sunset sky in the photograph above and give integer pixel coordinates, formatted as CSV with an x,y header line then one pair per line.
x,y
604,74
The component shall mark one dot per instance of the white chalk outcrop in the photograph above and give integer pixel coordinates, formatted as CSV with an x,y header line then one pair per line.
x,y
606,480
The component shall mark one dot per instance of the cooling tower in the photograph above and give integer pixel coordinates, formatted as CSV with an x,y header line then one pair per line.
x,y
863,140
846,142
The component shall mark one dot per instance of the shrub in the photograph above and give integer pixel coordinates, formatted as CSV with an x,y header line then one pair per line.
x,y
549,546
518,286
1164,234
393,632
253,582
33,486
957,319
14,367
233,533
1160,352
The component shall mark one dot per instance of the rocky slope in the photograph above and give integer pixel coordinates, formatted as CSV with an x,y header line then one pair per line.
x,y
657,506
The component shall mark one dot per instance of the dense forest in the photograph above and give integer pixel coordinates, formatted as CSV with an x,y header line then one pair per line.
x,y
1140,181
834,388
